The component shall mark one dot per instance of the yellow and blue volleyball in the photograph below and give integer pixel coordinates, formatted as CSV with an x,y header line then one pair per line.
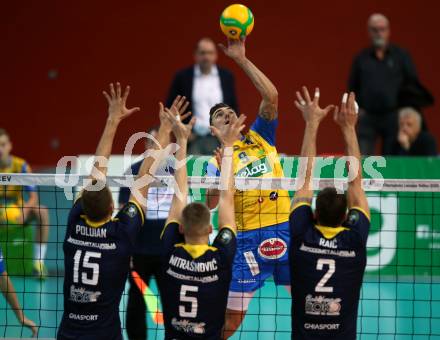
x,y
10,214
236,21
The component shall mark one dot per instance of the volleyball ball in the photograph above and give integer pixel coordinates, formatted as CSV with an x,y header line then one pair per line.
x,y
236,21
10,214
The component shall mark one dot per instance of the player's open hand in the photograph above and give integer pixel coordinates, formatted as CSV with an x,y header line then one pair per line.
x,y
117,110
311,111
233,131
347,117
236,49
178,108
181,131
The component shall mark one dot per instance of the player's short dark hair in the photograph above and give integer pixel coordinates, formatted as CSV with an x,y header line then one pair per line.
x,y
331,207
196,218
215,108
96,204
3,132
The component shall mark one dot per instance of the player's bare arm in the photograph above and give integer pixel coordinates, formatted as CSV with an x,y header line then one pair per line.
x,y
158,152
269,105
347,118
117,111
224,158
182,133
313,114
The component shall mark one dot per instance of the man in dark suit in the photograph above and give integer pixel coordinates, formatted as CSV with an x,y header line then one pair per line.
x,y
378,76
204,85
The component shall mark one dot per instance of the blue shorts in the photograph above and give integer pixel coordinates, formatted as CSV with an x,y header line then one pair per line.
x,y
261,253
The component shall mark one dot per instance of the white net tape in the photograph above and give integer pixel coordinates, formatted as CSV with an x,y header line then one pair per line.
x,y
201,182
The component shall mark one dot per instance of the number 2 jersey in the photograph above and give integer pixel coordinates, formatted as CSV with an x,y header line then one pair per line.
x,y
96,263
195,284
327,267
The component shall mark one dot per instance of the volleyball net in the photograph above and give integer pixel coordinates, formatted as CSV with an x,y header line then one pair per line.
x,y
400,296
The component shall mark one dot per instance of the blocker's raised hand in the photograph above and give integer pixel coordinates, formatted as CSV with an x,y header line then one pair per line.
x,y
347,117
117,102
178,108
180,130
311,111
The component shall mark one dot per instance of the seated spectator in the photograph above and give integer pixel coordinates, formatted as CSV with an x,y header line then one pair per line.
x,y
411,140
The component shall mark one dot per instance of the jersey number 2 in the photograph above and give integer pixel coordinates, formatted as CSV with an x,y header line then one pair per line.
x,y
86,264
321,287
184,297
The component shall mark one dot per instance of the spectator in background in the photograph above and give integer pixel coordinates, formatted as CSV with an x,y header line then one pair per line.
x,y
378,75
204,85
412,140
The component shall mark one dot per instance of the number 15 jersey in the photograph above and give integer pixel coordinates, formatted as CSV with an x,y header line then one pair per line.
x,y
327,267
96,263
195,284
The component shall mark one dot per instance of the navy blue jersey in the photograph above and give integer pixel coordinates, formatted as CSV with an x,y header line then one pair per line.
x,y
96,262
196,284
327,267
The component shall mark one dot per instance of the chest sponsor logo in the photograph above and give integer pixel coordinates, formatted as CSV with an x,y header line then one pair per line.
x,y
272,249
321,305
255,169
188,326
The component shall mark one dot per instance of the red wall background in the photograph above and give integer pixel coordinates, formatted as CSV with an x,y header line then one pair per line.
x,y
142,43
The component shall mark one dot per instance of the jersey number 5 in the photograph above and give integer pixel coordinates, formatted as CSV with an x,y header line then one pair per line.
x,y
184,297
86,264
321,287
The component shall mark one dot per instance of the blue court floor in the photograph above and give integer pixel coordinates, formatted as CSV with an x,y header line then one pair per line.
x,y
388,310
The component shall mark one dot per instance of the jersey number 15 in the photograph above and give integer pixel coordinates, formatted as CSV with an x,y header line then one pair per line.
x,y
86,264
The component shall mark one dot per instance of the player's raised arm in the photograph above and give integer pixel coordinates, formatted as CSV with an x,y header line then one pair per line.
x,y
226,214
182,133
159,151
347,119
313,114
117,111
269,104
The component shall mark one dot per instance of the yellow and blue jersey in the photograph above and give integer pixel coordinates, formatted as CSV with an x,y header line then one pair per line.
x,y
13,194
255,155
195,284
327,266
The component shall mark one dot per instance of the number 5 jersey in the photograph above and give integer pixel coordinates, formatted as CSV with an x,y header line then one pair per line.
x,y
195,284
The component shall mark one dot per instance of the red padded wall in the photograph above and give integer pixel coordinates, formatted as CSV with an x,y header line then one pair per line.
x,y
142,43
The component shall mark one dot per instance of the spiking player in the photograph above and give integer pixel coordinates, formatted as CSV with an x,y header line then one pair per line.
x,y
328,247
261,215
97,248
196,276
